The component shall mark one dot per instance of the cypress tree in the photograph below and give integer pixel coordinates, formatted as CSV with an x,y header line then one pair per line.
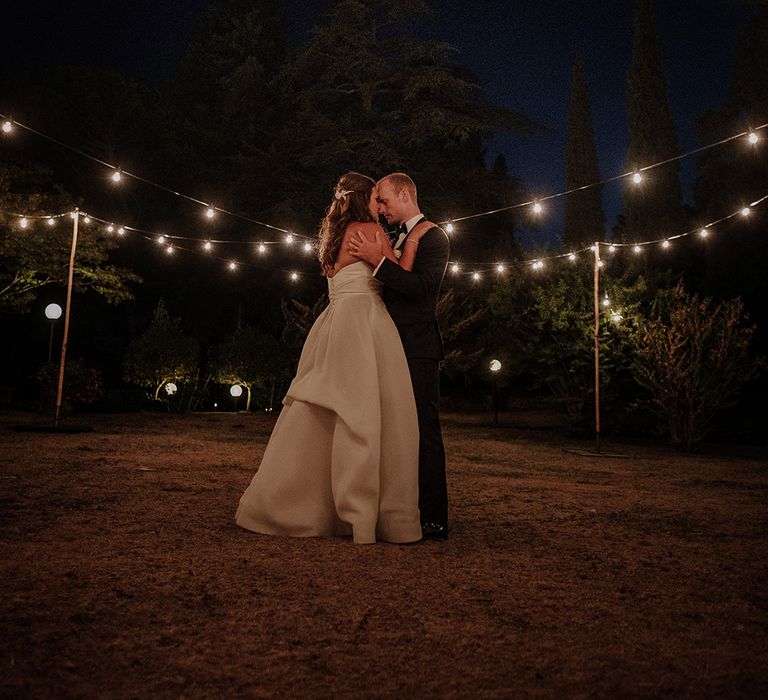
x,y
654,208
584,215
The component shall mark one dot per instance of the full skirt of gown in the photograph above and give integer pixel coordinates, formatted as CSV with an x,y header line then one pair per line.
x,y
343,456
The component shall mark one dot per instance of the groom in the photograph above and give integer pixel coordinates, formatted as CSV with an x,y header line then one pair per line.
x,y
411,299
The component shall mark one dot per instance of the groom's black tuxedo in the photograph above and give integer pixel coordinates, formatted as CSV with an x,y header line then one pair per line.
x,y
411,299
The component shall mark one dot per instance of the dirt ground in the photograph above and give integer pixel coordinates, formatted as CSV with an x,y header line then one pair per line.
x,y
123,574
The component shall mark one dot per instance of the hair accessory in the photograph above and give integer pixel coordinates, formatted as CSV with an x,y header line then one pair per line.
x,y
342,194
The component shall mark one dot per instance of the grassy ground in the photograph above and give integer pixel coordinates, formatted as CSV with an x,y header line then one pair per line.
x,y
123,575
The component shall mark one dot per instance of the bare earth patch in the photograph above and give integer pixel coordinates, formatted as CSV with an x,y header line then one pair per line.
x,y
123,574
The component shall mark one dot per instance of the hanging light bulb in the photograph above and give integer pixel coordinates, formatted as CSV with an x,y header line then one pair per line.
x,y
51,222
169,250
232,265
611,248
117,175
500,268
210,212
537,208
449,228
87,219
665,244
637,177
24,223
616,317
599,263
637,249
455,268
476,276
572,257
207,245
704,233
752,137
161,240
294,276
121,231
262,248
307,247
7,126
537,265
606,302
746,211
289,239
110,228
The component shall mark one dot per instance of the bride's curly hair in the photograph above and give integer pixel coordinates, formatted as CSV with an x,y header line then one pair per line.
x,y
350,203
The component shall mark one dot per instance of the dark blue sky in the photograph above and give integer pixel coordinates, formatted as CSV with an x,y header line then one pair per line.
x,y
521,53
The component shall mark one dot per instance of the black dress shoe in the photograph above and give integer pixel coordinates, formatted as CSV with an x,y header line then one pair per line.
x,y
434,531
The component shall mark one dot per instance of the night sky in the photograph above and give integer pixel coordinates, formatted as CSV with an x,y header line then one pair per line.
x,y
522,54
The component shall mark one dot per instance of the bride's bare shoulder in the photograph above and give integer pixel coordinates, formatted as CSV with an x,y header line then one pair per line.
x,y
367,228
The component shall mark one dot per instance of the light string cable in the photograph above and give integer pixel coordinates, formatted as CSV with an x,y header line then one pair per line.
x,y
118,173
750,134
454,267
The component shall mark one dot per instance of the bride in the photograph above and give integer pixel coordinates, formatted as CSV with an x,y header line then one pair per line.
x,y
343,455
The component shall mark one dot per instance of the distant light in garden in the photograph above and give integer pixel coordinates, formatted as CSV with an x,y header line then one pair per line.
x,y
171,388
236,390
606,301
52,312
495,365
616,317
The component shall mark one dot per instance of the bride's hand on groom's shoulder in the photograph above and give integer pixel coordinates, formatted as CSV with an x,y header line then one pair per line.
x,y
419,230
361,247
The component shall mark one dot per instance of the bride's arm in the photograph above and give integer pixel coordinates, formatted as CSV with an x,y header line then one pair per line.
x,y
411,245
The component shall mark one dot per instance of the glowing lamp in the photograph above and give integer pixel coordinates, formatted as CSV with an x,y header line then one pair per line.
x,y
236,390
52,312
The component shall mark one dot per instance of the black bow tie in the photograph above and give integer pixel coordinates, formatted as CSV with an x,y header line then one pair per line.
x,y
402,228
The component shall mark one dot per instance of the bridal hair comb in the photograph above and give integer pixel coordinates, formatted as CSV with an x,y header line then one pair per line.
x,y
342,194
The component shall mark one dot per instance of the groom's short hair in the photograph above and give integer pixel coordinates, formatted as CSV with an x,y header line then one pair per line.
x,y
401,181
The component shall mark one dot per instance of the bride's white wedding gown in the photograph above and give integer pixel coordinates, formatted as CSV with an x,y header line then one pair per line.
x,y
343,456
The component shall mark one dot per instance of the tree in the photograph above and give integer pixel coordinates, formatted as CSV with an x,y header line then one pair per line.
x,y
38,255
584,215
655,207
163,354
250,358
693,358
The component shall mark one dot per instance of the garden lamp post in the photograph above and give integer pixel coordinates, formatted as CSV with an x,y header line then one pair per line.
x,y
495,367
52,313
236,391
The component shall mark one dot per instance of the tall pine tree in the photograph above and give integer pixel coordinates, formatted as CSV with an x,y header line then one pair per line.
x,y
654,208
584,215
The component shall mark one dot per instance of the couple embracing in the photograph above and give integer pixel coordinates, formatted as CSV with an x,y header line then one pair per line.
x,y
357,449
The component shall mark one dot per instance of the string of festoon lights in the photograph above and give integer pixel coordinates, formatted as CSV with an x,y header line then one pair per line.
x,y
171,243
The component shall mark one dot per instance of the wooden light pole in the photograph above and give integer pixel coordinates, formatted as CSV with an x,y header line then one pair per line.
x,y
75,219
597,346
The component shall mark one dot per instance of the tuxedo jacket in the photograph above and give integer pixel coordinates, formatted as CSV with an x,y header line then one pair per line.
x,y
411,297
